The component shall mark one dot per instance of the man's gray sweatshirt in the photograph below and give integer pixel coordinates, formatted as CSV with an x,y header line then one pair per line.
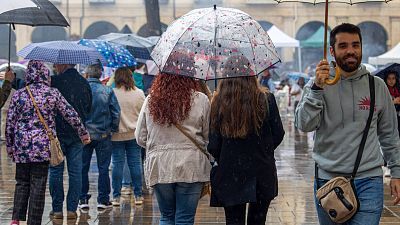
x,y
338,115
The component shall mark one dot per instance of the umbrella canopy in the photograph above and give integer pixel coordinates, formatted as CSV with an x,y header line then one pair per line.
x,y
391,67
296,75
139,46
8,5
132,40
18,69
46,14
215,43
116,55
61,52
350,2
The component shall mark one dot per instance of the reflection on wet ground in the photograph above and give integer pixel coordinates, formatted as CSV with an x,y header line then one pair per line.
x,y
293,206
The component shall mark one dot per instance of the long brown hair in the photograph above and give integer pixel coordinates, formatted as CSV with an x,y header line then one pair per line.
x,y
239,107
203,88
171,98
123,78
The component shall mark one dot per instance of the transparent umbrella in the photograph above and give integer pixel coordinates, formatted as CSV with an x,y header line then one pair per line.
x,y
209,43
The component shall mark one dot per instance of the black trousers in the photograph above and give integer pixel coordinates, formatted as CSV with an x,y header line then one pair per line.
x,y
30,188
257,214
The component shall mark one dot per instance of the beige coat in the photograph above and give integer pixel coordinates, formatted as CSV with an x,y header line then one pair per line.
x,y
130,103
170,156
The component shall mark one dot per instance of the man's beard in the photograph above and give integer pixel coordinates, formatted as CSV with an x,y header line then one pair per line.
x,y
348,67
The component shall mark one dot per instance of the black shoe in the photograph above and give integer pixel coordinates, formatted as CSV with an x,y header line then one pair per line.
x,y
83,204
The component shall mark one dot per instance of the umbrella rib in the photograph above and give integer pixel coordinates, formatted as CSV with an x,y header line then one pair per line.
x,y
252,50
177,40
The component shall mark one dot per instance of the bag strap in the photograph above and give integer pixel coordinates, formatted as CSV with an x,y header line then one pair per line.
x,y
180,128
366,129
49,133
367,126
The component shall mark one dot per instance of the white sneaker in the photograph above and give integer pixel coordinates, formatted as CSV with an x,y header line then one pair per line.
x,y
139,200
116,201
126,191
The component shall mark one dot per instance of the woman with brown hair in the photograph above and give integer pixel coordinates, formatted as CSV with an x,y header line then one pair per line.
x,y
130,100
174,165
245,130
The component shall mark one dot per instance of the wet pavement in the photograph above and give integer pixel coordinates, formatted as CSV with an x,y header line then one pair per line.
x,y
293,206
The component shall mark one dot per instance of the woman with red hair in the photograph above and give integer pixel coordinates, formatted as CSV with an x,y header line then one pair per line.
x,y
175,167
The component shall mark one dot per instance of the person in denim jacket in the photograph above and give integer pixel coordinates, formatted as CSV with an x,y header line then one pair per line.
x,y
101,123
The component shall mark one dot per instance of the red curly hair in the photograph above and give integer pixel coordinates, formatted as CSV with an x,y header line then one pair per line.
x,y
170,98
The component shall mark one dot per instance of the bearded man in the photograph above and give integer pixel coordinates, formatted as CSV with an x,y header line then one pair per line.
x,y
338,115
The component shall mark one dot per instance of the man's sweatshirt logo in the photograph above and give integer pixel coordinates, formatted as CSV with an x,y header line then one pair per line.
x,y
365,103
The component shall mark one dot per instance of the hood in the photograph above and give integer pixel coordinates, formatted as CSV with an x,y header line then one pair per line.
x,y
37,72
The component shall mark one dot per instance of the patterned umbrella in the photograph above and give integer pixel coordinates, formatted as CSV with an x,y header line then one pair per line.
x,y
214,43
116,55
140,47
7,5
61,52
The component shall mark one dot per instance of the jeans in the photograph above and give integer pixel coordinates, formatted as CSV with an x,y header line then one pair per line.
x,y
126,177
130,151
370,194
178,202
103,150
73,154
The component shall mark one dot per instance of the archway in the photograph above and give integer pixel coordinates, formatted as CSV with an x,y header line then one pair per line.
x,y
374,38
144,30
99,28
4,43
265,24
310,55
48,33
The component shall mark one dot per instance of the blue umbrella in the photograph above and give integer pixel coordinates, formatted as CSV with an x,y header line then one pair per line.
x,y
296,75
116,55
61,52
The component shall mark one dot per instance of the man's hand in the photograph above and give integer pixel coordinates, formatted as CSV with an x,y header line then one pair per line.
x,y
321,73
395,190
10,76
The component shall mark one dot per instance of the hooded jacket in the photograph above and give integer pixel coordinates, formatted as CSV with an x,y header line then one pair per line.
x,y
26,137
338,115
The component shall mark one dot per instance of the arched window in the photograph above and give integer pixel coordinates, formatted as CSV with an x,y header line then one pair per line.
x,y
145,32
48,33
99,28
265,24
374,38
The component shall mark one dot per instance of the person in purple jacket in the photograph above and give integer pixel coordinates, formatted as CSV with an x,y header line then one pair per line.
x,y
28,144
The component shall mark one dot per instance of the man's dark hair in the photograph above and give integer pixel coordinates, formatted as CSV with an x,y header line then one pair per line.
x,y
344,28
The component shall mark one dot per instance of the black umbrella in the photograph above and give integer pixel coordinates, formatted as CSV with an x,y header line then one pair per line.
x,y
45,15
391,67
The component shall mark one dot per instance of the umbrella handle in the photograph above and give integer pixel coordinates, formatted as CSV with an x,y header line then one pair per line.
x,y
335,79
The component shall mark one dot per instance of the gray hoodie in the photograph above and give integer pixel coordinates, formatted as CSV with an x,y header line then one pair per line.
x,y
338,115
